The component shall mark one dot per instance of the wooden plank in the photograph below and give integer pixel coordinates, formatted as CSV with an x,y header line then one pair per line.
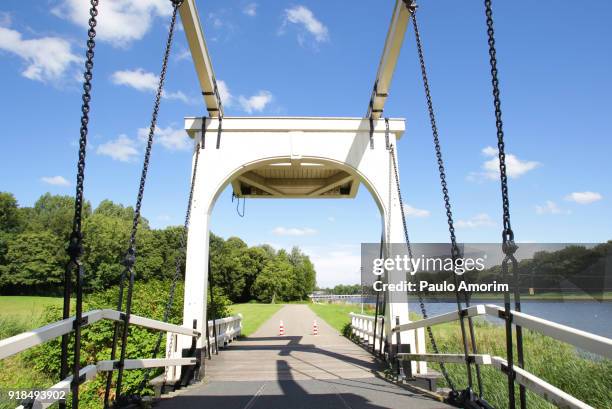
x,y
388,61
108,365
201,58
151,324
447,358
472,311
21,342
582,339
544,389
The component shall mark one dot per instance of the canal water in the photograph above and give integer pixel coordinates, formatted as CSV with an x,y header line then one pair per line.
x,y
591,316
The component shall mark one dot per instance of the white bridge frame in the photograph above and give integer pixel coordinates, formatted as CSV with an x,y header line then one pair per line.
x,y
249,143
245,144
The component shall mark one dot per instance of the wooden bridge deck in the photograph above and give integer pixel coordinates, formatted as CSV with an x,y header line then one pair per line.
x,y
299,370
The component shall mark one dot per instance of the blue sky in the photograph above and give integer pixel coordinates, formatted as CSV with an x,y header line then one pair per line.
x,y
319,58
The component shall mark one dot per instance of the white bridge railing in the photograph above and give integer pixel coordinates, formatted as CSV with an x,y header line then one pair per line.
x,y
226,329
362,327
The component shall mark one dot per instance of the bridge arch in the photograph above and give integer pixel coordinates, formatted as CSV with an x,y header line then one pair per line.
x,y
292,158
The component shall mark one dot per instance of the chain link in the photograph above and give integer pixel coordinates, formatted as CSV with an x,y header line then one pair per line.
x,y
179,262
432,340
455,251
75,246
509,247
507,233
130,257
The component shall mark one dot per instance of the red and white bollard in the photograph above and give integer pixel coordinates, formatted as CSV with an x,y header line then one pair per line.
x,y
315,328
281,329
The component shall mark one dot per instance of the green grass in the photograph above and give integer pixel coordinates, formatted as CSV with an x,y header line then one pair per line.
x,y
19,314
26,305
337,315
556,362
254,315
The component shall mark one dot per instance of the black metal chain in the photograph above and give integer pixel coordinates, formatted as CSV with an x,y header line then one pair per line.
x,y
75,247
455,252
179,262
430,334
509,247
130,257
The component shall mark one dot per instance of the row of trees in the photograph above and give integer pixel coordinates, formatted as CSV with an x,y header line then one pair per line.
x,y
33,257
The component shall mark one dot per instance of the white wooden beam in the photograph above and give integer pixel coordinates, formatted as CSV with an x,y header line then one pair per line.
x,y
447,358
332,182
541,387
332,125
151,324
472,311
388,61
582,339
62,388
107,366
13,345
201,58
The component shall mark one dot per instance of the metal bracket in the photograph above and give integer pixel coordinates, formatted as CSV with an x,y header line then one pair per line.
x,y
80,323
118,365
508,371
502,314
411,5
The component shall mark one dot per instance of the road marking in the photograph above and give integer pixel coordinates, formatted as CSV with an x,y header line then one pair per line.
x,y
251,402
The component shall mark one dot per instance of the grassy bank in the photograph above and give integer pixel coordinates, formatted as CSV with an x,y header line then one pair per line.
x,y
254,315
19,314
556,362
337,315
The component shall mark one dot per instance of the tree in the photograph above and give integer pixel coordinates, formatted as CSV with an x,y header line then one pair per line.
x,y
9,213
55,213
275,282
35,263
112,209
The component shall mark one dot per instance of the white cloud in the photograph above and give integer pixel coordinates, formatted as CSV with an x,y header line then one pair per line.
x,y
120,22
123,149
255,102
515,167
145,81
479,220
584,197
250,9
47,58
336,264
170,138
294,231
550,207
227,99
138,79
411,211
303,17
178,95
183,54
55,180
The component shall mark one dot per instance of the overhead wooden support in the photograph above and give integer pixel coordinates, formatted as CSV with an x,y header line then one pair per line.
x,y
201,58
393,44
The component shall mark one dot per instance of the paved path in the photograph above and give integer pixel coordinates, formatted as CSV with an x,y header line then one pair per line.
x,y
295,371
